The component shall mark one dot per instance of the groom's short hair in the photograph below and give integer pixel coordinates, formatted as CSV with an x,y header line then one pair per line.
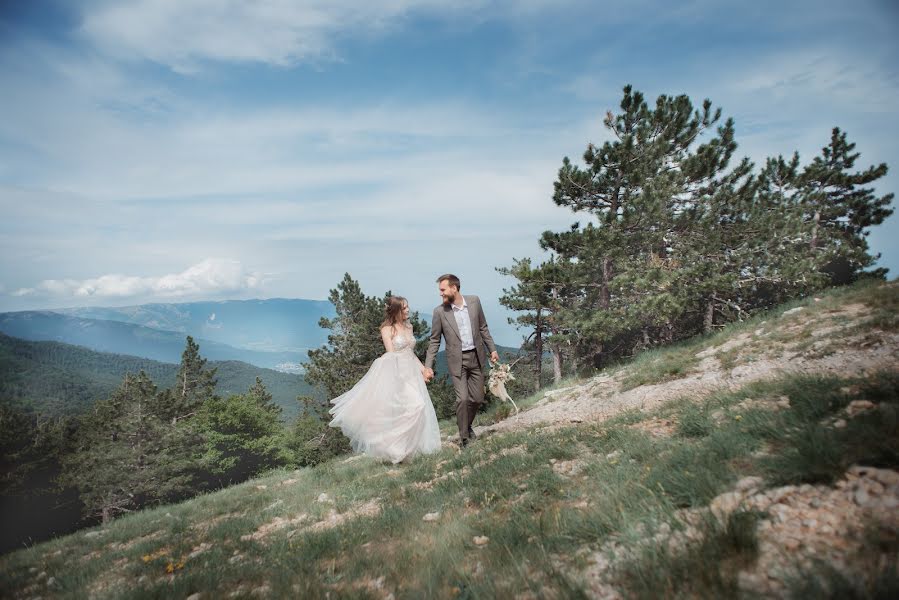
x,y
452,279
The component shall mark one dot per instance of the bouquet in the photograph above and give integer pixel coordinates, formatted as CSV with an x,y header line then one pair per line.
x,y
496,382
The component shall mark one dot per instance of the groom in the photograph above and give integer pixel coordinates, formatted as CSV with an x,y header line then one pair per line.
x,y
460,320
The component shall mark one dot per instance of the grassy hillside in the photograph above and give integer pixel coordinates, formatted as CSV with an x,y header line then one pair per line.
x,y
652,480
59,379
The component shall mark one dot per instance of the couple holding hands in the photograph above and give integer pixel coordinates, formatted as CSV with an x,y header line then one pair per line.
x,y
388,413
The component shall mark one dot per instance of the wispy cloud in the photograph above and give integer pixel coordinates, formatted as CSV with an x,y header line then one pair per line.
x,y
210,277
396,139
183,34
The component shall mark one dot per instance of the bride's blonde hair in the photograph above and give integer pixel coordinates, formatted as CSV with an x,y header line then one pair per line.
x,y
393,311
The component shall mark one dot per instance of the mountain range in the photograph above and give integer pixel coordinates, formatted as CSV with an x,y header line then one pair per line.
x,y
273,334
278,343
53,378
273,325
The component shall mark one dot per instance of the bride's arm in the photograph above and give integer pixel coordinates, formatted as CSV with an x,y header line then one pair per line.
x,y
421,367
386,338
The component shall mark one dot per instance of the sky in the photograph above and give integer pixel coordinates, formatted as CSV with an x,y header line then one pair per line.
x,y
178,150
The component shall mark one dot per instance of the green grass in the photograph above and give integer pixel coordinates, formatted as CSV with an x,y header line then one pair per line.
x,y
504,487
660,364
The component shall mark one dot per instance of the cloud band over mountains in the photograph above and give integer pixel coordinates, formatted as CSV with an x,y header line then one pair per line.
x,y
210,277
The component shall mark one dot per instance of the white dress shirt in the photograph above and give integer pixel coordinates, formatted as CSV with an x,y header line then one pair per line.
x,y
464,323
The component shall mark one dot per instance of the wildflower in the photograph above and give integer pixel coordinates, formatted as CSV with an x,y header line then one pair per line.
x,y
738,418
496,382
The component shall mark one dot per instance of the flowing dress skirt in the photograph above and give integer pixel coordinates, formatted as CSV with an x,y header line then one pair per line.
x,y
388,413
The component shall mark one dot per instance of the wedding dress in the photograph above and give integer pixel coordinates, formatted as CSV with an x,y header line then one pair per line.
x,y
388,413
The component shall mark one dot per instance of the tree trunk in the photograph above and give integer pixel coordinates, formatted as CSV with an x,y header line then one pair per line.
x,y
557,364
538,348
605,296
817,220
709,321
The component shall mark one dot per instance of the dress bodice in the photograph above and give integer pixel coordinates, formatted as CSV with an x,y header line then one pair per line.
x,y
401,342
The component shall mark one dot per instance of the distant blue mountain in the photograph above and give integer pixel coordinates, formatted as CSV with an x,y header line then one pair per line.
x,y
54,379
274,325
135,340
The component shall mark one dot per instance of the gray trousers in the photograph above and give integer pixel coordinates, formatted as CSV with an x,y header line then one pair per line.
x,y
469,390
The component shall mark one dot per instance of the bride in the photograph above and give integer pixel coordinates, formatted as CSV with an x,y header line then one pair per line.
x,y
388,413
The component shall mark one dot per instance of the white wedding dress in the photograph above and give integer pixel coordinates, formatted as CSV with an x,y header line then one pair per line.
x,y
388,413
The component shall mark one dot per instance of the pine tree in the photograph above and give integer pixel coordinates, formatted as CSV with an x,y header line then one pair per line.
x,y
311,440
119,465
542,294
840,210
674,241
242,435
528,296
353,343
640,189
194,385
355,339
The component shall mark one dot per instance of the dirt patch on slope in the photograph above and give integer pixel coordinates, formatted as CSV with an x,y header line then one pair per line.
x,y
763,354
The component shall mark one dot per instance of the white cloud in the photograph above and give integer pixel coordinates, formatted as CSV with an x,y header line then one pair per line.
x,y
183,33
207,278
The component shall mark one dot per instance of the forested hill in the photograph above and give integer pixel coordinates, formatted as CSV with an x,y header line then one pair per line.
x,y
61,379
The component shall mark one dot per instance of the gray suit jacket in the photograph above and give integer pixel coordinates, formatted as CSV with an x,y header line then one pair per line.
x,y
443,323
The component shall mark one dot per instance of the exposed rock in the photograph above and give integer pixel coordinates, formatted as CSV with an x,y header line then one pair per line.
x,y
430,517
817,522
198,550
273,505
749,484
726,503
859,406
731,344
480,540
275,525
569,468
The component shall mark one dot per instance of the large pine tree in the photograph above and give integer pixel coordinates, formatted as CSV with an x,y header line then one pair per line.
x,y
840,209
120,463
673,240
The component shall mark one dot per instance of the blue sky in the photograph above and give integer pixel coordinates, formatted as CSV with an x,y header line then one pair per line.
x,y
173,150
